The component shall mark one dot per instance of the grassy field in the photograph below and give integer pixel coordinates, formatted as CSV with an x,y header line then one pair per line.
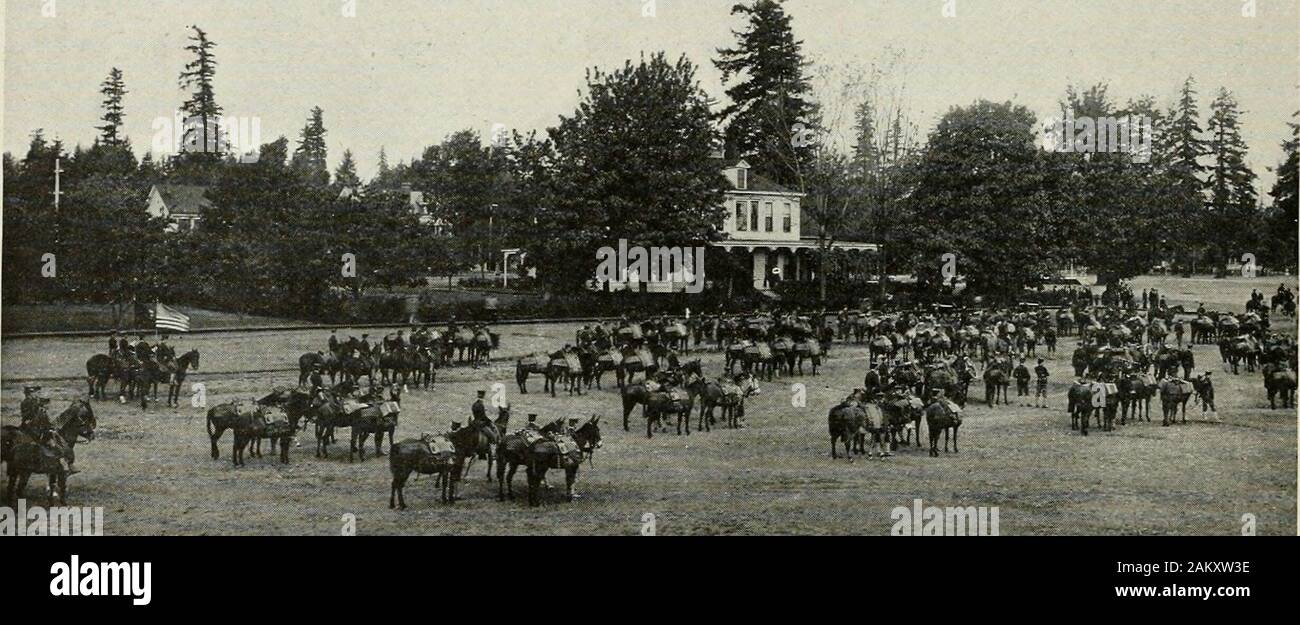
x,y
152,474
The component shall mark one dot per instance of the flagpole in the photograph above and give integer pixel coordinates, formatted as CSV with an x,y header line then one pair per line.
x,y
156,337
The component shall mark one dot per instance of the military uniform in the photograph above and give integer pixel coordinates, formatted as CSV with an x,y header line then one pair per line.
x,y
1021,374
142,349
479,411
1041,372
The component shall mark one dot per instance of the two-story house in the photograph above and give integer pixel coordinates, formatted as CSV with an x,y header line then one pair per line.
x,y
765,223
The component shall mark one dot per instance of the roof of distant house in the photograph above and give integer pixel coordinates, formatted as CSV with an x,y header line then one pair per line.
x,y
184,199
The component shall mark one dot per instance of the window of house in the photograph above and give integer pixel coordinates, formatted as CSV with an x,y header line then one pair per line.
x,y
767,217
741,222
786,218
742,178
753,216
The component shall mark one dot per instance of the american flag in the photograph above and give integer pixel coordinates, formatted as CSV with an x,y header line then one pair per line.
x,y
167,318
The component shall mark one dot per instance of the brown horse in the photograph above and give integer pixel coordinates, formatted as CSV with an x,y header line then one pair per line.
x,y
1279,381
24,455
550,448
941,416
439,455
488,437
1174,395
844,422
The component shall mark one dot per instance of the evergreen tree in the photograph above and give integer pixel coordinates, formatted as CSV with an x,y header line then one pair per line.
x,y
309,159
771,108
202,132
1281,226
1233,198
345,176
113,89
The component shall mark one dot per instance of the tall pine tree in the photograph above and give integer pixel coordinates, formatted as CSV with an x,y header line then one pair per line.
x,y
113,89
309,159
771,110
202,131
1281,226
1233,198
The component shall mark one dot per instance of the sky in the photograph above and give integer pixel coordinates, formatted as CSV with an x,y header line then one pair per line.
x,y
403,74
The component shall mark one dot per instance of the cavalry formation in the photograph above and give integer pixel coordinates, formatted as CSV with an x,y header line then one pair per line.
x,y
919,368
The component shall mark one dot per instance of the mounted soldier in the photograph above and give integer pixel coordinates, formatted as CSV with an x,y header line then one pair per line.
x,y
479,411
36,423
334,342
143,351
363,347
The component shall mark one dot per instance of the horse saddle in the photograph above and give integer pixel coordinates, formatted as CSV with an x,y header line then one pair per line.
x,y
351,405
389,408
949,405
875,417
565,444
762,350
438,445
530,436
609,357
678,395
571,360
531,360
559,362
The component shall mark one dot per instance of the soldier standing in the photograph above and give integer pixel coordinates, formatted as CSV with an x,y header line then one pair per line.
x,y
1021,374
113,344
1205,388
1041,391
334,342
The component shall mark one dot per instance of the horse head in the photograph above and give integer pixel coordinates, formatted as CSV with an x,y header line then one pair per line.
x,y
77,420
588,435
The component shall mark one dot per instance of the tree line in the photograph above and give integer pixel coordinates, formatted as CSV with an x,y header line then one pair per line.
x,y
636,160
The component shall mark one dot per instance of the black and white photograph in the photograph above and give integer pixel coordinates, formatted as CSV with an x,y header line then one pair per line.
x,y
649,268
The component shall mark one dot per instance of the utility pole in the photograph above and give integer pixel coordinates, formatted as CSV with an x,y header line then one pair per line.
x,y
57,192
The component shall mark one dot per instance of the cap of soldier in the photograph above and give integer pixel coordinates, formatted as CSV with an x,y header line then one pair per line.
x,y
455,425
573,420
532,417
482,393
31,389
365,336
1040,361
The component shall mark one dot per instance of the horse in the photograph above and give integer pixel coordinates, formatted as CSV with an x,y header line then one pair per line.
x,y
670,401
1136,391
1173,395
809,349
176,371
844,421
942,416
489,436
99,368
555,450
250,432
564,367
1279,381
901,409
597,362
24,455
463,343
1079,405
528,365
728,394
482,348
372,419
248,422
634,361
996,383
442,456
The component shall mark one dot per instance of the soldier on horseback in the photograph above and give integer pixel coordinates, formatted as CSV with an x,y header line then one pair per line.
x,y
36,423
363,347
115,342
479,411
143,351
334,342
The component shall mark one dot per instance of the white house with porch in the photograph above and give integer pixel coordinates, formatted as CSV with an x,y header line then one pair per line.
x,y
765,223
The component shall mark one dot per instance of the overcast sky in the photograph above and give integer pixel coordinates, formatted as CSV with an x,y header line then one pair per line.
x,y
405,73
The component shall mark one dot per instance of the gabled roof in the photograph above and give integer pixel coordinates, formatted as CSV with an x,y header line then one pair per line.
x,y
184,199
